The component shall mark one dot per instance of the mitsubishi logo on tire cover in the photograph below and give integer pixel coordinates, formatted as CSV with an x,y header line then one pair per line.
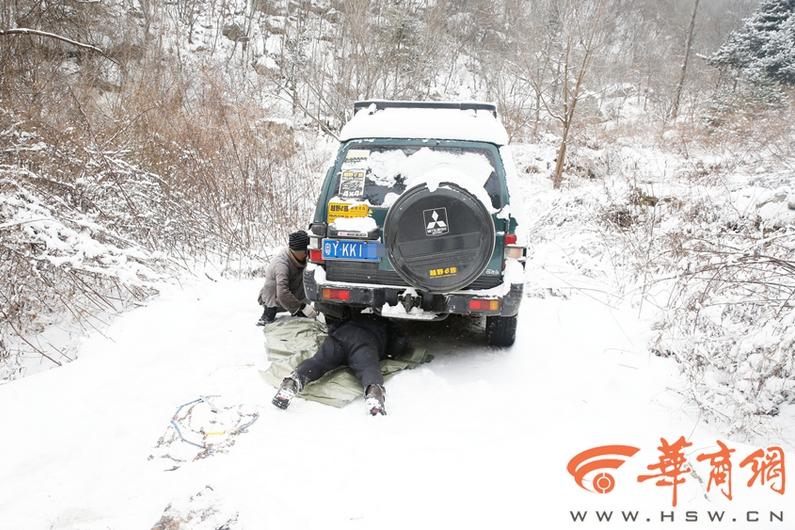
x,y
435,221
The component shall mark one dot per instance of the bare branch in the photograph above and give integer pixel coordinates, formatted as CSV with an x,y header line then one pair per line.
x,y
39,33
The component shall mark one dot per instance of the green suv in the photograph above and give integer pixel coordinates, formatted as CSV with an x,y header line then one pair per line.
x,y
413,220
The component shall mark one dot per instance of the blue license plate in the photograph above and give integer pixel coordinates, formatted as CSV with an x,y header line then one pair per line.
x,y
343,249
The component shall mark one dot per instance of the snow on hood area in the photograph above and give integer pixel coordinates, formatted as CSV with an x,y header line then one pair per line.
x,y
451,124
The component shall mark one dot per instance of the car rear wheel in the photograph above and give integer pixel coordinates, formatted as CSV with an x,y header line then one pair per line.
x,y
501,331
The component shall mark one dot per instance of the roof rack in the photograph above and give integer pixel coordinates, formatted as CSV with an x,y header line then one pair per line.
x,y
381,104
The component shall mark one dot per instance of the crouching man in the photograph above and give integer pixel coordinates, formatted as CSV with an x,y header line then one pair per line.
x,y
359,344
284,282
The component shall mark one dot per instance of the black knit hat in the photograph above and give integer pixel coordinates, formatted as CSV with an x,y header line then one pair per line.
x,y
299,240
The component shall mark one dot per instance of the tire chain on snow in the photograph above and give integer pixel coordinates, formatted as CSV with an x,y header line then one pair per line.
x,y
200,428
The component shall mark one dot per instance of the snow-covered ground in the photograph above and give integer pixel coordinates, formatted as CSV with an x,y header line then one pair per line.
x,y
478,438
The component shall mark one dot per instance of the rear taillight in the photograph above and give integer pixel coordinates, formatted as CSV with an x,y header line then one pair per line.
x,y
484,304
514,252
336,294
315,255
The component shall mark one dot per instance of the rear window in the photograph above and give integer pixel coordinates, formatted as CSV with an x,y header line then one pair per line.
x,y
379,174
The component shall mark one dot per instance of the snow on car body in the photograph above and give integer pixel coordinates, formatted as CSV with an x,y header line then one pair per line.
x,y
413,219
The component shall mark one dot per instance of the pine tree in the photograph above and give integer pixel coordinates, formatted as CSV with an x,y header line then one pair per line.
x,y
763,50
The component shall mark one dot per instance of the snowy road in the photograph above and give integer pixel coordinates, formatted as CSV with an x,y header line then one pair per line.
x,y
478,438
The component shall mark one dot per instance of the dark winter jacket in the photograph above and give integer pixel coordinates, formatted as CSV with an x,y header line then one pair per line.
x,y
382,333
359,344
284,283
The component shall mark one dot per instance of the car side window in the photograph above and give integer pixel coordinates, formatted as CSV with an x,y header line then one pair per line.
x,y
494,190
320,208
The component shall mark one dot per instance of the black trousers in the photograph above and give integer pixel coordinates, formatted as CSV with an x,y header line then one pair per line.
x,y
361,356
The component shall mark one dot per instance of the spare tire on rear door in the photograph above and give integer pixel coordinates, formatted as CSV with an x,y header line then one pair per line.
x,y
439,241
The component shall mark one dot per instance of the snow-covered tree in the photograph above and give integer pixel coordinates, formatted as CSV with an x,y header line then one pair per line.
x,y
763,50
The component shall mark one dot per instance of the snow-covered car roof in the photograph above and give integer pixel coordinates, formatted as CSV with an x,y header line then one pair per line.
x,y
478,125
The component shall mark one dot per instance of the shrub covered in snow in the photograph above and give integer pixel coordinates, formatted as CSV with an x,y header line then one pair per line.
x,y
705,243
710,240
67,246
90,224
731,323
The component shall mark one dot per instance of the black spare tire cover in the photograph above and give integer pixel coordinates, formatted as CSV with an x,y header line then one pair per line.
x,y
439,241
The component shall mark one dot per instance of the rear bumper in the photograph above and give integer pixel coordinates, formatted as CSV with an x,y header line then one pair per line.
x,y
375,296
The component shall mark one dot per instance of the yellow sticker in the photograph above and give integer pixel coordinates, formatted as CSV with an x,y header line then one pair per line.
x,y
352,184
442,272
343,209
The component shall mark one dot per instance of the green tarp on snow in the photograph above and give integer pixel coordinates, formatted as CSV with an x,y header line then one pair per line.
x,y
289,341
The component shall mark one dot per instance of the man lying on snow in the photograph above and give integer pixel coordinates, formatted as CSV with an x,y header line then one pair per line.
x,y
284,282
359,344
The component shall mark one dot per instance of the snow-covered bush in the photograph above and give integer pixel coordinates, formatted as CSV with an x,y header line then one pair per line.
x,y
730,323
91,223
67,251
101,201
711,241
56,261
705,239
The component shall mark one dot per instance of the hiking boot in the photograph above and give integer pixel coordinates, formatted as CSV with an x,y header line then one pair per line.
x,y
290,387
374,398
268,316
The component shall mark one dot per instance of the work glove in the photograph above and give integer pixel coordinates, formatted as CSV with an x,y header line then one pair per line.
x,y
306,311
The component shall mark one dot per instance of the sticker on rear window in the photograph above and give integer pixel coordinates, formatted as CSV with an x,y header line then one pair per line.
x,y
342,209
435,221
351,183
357,155
442,272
